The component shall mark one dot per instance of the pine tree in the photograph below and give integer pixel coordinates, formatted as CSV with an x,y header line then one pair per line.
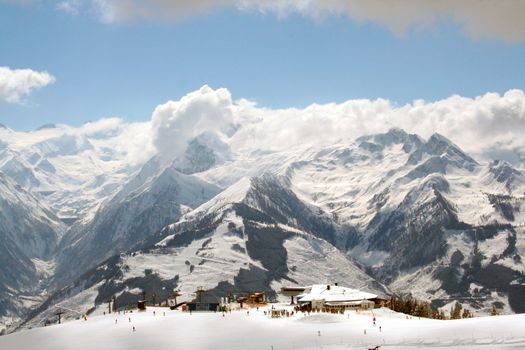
x,y
410,306
494,312
424,310
455,312
442,315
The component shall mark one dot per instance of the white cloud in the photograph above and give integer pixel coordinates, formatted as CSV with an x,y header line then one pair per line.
x,y
485,126
177,122
488,127
501,19
15,84
129,143
480,19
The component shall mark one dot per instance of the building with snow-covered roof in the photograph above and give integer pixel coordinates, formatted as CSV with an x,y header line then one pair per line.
x,y
323,296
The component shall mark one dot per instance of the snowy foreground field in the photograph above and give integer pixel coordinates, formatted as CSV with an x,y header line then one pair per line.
x,y
238,330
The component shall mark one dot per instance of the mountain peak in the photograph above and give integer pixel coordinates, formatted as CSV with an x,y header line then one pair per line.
x,y
438,145
391,137
395,131
2,126
46,126
437,137
504,172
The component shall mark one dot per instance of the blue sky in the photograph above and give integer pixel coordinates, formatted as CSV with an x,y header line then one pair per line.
x,y
126,68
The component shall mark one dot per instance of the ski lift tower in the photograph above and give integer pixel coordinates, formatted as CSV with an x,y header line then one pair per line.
x,y
59,314
199,293
174,295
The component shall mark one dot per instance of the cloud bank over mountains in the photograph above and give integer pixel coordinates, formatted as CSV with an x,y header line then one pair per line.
x,y
175,123
488,126
492,19
16,84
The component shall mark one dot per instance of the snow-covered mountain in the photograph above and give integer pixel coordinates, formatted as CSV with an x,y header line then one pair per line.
x,y
29,234
53,179
423,216
155,197
72,170
390,212
243,239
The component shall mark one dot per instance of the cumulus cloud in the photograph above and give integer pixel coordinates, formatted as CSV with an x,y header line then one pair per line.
x,y
15,84
175,123
501,19
487,126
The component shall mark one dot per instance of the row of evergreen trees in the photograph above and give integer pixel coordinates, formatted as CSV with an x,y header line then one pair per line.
x,y
410,306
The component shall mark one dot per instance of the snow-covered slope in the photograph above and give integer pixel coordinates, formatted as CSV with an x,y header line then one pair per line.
x,y
52,178
401,205
154,198
29,234
70,169
167,329
243,239
411,202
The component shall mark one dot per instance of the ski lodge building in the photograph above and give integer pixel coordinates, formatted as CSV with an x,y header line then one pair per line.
x,y
323,296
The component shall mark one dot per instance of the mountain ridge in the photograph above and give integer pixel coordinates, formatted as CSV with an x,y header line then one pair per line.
x,y
395,211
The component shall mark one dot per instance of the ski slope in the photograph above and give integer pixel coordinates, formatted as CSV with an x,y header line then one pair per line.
x,y
239,330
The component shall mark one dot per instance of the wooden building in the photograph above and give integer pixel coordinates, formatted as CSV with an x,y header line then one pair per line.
x,y
256,298
141,305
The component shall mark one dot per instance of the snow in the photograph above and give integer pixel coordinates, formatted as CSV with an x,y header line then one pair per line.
x,y
204,262
75,306
423,284
343,180
236,193
84,168
311,260
44,268
208,330
372,258
493,247
332,293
